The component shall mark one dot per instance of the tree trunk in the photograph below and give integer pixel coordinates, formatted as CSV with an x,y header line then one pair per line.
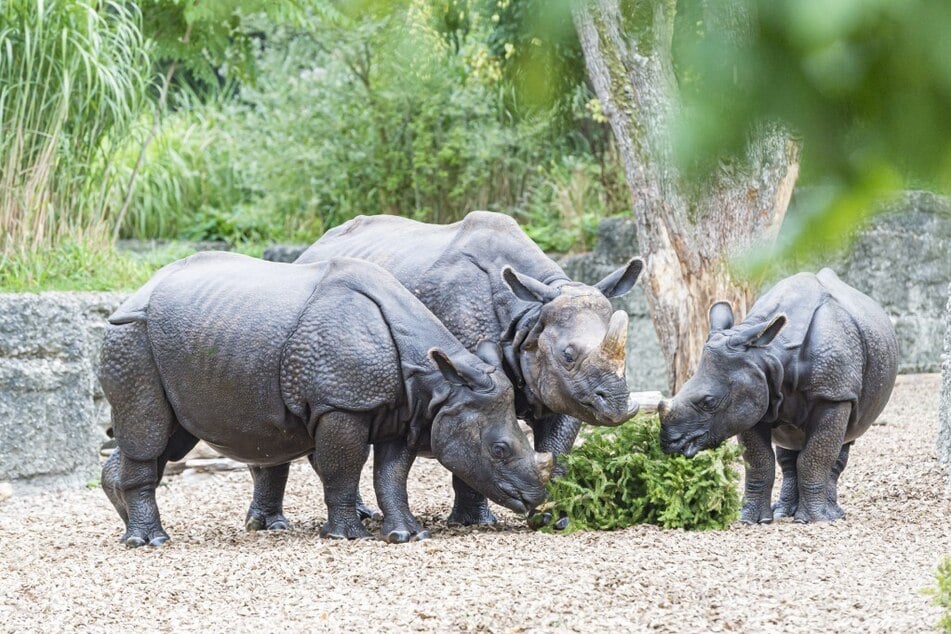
x,y
687,232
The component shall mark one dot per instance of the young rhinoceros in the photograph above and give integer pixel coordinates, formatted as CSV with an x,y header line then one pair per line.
x,y
269,362
810,368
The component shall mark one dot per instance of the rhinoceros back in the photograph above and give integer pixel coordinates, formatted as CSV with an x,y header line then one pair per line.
x,y
845,341
217,326
438,262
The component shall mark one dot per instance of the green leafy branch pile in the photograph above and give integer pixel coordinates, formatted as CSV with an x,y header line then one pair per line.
x,y
620,476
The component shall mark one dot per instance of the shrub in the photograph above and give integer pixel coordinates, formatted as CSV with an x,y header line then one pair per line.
x,y
620,476
942,594
73,76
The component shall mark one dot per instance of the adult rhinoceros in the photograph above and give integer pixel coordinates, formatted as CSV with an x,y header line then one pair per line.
x,y
269,362
563,346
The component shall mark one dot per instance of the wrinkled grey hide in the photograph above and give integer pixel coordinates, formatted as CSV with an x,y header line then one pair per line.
x,y
809,370
563,346
269,362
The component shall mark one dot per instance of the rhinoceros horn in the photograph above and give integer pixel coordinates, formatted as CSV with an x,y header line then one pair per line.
x,y
613,348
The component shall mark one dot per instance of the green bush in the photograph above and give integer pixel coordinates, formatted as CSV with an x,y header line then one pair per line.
x,y
619,477
942,594
370,116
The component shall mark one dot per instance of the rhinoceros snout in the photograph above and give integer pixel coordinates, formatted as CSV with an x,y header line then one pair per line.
x,y
663,409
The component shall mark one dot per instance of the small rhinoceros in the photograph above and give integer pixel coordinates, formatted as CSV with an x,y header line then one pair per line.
x,y
809,369
270,362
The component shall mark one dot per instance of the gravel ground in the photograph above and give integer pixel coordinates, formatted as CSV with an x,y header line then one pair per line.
x,y
63,568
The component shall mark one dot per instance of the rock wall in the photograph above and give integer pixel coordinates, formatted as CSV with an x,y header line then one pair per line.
x,y
902,259
52,412
944,404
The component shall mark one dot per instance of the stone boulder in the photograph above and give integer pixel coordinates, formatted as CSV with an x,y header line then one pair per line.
x,y
52,412
944,403
902,259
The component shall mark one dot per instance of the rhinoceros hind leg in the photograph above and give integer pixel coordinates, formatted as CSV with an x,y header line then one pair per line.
x,y
365,511
818,464
267,504
146,431
789,493
470,507
340,452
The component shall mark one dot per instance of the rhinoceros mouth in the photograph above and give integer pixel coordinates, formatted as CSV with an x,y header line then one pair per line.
x,y
689,445
515,500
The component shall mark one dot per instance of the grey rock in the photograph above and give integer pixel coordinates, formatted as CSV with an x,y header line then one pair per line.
x,y
944,405
49,432
284,252
901,258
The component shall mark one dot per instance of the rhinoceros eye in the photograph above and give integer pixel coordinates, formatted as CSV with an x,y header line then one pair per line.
x,y
569,354
708,403
500,451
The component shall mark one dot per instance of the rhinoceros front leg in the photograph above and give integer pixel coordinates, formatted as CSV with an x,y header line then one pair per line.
x,y
760,474
339,454
391,464
817,460
789,493
555,434
267,504
469,507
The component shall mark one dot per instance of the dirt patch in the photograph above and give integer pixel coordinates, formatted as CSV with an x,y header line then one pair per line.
x,y
64,568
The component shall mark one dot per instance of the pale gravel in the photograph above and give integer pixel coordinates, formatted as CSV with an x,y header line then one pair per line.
x,y
62,569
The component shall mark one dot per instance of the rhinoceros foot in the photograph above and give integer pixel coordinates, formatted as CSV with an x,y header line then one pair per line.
x,y
826,512
756,513
472,516
402,537
335,529
153,536
260,522
368,512
785,507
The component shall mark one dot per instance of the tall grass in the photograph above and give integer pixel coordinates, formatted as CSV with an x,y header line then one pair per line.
x,y
74,76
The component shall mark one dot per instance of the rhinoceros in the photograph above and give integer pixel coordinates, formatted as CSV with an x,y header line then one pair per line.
x,y
563,346
809,369
270,362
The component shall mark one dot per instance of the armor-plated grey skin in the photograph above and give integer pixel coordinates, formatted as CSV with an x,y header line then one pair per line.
x,y
270,362
809,369
563,346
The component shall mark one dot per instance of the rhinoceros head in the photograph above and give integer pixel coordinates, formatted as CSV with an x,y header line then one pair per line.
x,y
476,436
728,394
573,358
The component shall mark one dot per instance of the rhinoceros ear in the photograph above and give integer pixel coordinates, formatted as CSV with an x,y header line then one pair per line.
x,y
460,374
721,316
760,335
526,288
622,280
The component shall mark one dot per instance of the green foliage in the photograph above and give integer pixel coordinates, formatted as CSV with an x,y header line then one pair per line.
x,y
82,265
210,39
942,594
620,477
864,85
366,115
73,76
